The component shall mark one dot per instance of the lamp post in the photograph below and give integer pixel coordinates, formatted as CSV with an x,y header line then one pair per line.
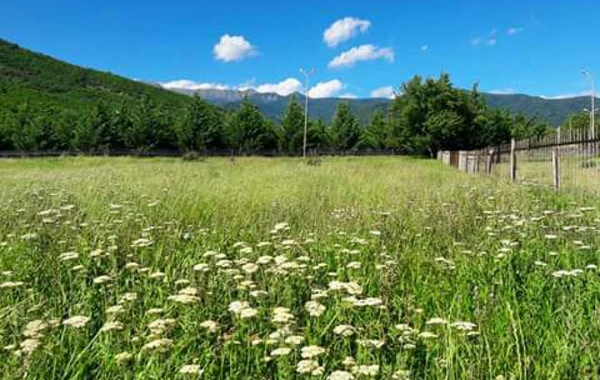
x,y
307,75
593,99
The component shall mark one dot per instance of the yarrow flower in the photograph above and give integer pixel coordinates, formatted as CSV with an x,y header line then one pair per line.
x,y
309,352
463,325
161,344
112,326
294,340
344,330
102,279
314,308
309,367
210,325
191,369
183,299
366,370
11,284
281,351
340,375
77,321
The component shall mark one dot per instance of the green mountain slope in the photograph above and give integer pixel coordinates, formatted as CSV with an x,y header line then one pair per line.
x,y
39,79
45,81
555,111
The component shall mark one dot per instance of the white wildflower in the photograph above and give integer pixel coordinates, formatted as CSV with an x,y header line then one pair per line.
x,y
77,321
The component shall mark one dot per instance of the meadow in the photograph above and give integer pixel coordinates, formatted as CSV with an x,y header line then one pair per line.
x,y
384,268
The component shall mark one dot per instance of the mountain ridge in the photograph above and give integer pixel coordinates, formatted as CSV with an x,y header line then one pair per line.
x,y
555,111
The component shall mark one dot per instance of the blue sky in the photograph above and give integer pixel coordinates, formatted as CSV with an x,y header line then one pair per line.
x,y
533,47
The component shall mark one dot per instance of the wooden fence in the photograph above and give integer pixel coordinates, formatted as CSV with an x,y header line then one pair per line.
x,y
560,160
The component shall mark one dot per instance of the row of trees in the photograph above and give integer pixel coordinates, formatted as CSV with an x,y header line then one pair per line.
x,y
430,115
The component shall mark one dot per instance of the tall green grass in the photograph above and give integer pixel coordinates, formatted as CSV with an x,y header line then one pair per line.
x,y
431,273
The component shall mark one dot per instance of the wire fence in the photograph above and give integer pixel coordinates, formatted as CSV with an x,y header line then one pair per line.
x,y
202,153
567,160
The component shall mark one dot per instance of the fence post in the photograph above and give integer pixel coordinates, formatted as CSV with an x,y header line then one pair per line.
x,y
513,161
490,159
555,168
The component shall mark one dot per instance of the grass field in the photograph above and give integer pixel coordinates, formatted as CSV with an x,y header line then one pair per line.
x,y
389,268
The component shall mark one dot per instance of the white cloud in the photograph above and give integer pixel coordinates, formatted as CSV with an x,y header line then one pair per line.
x,y
490,39
514,30
361,53
348,96
567,95
503,91
424,48
344,29
185,84
383,92
285,87
326,89
233,48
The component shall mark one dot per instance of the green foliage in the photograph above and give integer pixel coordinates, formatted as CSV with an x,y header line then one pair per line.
x,y
344,132
578,123
484,279
248,130
201,127
433,115
291,136
46,104
376,133
317,136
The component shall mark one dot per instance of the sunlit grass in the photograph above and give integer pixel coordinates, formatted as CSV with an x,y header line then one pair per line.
x,y
389,268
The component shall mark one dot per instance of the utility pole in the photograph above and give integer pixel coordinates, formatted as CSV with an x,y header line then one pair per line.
x,y
307,75
593,100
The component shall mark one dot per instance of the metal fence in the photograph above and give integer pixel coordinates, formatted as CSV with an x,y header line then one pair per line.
x,y
204,153
564,160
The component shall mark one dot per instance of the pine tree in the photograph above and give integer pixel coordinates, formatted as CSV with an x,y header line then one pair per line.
x,y
291,138
200,127
344,130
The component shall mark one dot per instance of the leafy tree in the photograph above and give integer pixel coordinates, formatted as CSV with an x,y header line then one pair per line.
x,y
200,128
317,135
375,135
291,137
344,131
148,128
248,130
23,129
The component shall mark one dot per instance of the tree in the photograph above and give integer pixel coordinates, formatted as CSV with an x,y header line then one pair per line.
x,y
149,128
200,127
248,130
375,135
23,130
433,115
317,136
291,136
344,131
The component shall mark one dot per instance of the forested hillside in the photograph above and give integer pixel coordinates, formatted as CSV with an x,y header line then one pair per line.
x,y
46,104
36,78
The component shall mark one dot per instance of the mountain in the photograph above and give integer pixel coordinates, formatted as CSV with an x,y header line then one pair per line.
x,y
273,105
44,81
47,82
555,111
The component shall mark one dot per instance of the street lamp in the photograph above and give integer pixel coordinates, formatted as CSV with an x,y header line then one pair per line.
x,y
307,75
587,74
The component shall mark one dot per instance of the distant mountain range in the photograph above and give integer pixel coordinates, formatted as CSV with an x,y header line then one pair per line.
x,y
26,76
555,111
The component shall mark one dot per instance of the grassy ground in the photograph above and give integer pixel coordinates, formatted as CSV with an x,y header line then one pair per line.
x,y
389,268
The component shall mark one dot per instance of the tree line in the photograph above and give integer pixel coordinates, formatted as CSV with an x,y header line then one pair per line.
x,y
429,115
